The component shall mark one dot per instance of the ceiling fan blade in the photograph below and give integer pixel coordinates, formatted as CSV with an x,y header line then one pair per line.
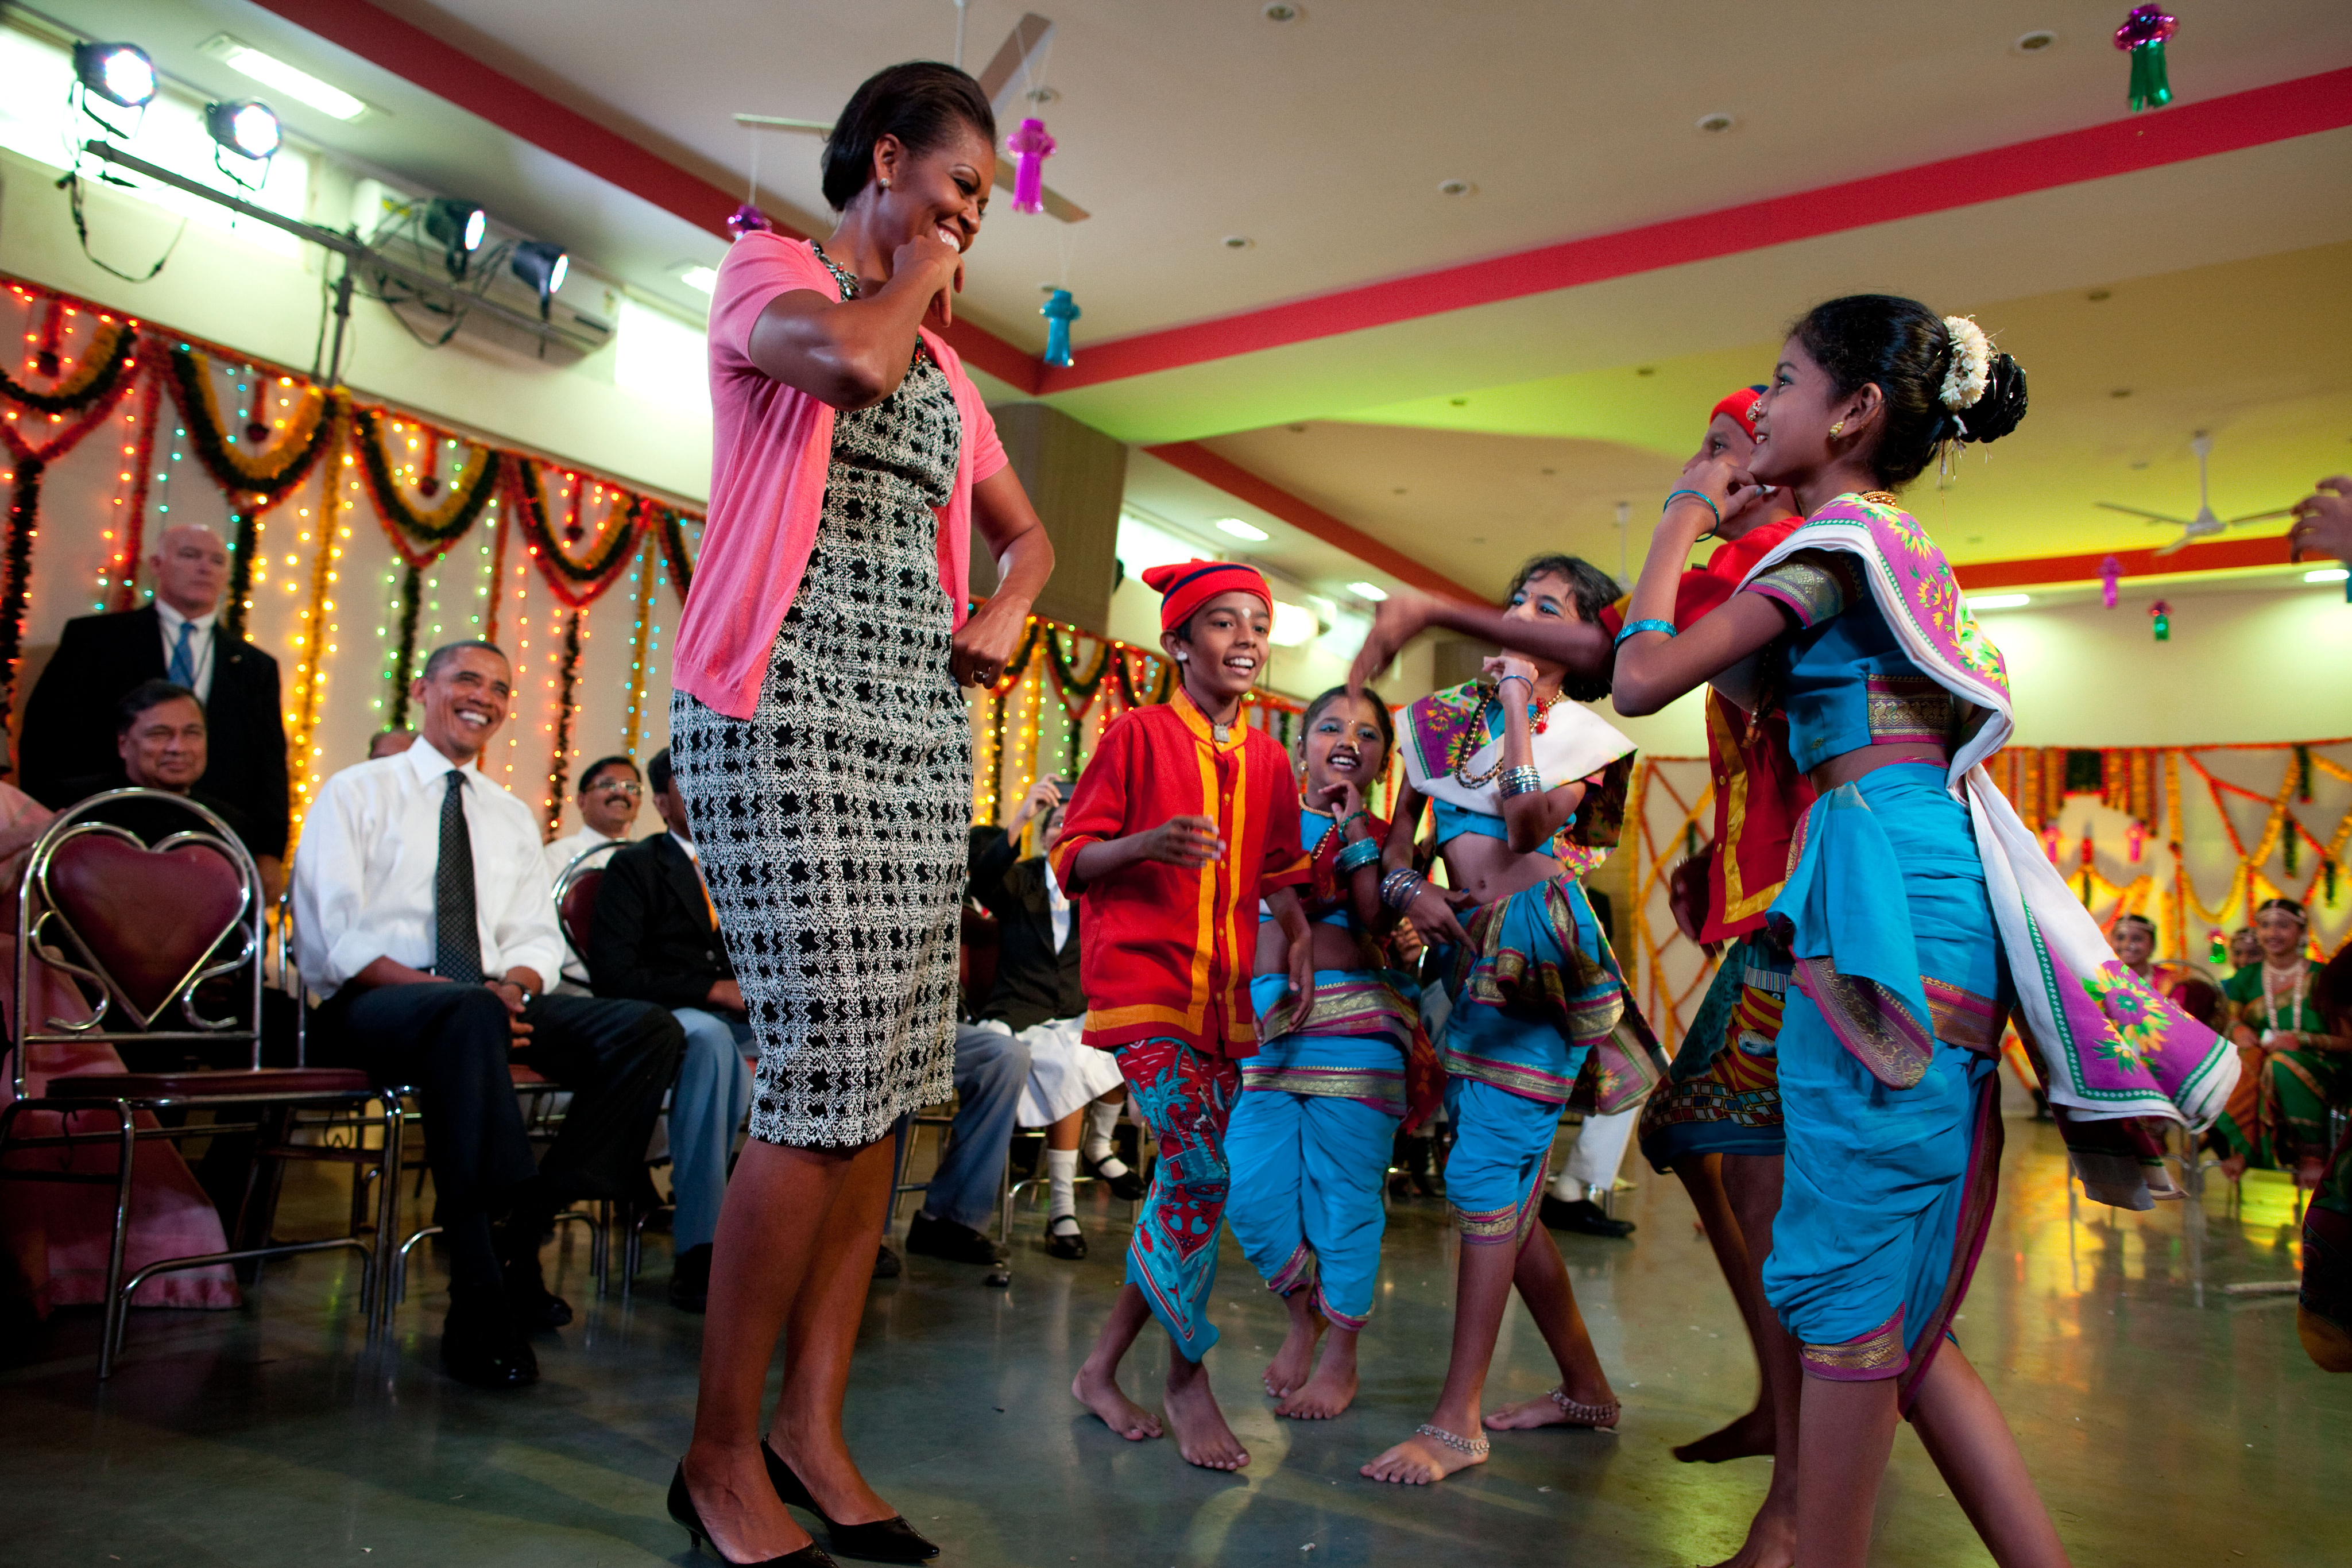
x,y
2143,512
2260,516
1056,204
2174,544
1022,46
778,122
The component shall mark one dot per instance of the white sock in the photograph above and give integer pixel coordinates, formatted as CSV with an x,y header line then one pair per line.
x,y
1100,1120
1567,1188
1061,1188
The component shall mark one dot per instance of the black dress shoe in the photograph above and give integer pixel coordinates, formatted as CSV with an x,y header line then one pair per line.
x,y
690,1279
1585,1216
887,1264
946,1238
682,1509
529,1302
1070,1244
890,1540
480,1345
1128,1187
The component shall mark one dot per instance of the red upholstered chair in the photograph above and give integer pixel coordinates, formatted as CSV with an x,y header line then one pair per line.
x,y
575,895
140,928
976,957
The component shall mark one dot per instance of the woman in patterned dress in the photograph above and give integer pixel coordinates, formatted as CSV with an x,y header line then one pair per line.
x,y
823,749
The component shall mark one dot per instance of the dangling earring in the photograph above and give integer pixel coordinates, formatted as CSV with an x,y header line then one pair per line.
x,y
1837,430
885,185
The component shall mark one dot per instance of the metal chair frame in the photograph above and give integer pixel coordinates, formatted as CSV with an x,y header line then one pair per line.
x,y
40,921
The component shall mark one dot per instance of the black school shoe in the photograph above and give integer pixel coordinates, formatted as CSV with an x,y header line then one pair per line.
x,y
481,1345
1128,1187
690,1279
946,1238
1069,1245
1584,1216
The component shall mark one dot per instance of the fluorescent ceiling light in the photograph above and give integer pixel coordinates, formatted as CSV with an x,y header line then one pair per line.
x,y
1293,625
2328,574
1371,590
1240,529
702,279
291,80
1999,600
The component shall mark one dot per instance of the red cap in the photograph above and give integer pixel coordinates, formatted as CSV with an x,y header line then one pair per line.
x,y
1741,406
1184,586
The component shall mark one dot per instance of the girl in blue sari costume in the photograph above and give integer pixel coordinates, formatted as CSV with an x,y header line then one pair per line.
x,y
1919,911
1322,1100
1513,768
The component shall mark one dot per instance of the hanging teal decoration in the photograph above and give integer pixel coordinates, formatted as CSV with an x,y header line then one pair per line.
x,y
2143,37
1059,311
2159,616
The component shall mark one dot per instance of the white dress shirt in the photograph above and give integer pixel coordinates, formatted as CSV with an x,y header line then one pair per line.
x,y
1058,903
200,646
370,846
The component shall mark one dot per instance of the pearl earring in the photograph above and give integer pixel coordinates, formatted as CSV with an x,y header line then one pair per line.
x,y
885,185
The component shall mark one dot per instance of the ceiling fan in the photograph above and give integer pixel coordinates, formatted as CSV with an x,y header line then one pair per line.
x,y
2205,523
1007,79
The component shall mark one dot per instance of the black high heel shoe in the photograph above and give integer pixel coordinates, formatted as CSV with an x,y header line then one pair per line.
x,y
890,1540
682,1509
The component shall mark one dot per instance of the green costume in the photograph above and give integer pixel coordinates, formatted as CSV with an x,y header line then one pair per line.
x,y
2278,1114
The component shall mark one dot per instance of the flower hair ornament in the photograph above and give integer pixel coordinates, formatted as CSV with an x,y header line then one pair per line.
x,y
1971,368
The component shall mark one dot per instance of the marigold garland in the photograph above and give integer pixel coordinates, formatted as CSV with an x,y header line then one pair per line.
x,y
632,721
568,683
576,583
412,588
423,536
112,356
269,475
670,526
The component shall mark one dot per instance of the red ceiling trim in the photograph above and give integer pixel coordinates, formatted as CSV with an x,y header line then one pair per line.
x,y
441,68
2252,119
2222,555
1244,486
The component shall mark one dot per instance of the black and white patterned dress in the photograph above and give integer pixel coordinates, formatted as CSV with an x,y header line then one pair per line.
x,y
831,823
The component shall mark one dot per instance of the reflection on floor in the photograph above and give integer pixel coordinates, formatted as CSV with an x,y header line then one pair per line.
x,y
2161,1430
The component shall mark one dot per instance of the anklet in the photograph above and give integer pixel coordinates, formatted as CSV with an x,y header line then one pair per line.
x,y
1599,1417
1475,1446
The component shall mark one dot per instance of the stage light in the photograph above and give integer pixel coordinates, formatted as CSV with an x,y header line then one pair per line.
x,y
1240,529
1371,590
1999,600
120,73
543,266
458,225
245,126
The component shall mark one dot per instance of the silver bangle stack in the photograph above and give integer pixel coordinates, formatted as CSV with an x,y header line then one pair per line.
x,y
1400,887
1359,854
1522,780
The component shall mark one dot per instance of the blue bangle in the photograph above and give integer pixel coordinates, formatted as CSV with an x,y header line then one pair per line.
x,y
1359,854
1652,625
1700,497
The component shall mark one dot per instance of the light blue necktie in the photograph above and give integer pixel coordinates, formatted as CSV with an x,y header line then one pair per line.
x,y
183,672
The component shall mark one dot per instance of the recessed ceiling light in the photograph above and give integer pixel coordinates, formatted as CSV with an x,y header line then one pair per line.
x,y
2328,574
1999,600
1715,124
694,276
1241,530
1455,187
291,80
2034,42
1278,11
1293,624
1238,242
1375,592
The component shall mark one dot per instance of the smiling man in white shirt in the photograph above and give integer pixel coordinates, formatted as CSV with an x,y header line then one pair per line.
x,y
422,913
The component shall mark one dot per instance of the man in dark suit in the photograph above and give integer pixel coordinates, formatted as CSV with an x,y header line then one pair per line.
x,y
69,719
655,939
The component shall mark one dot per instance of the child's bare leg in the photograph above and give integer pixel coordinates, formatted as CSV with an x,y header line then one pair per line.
x,y
1063,1133
1707,1178
1753,1183
1097,1383
1287,1371
1202,1435
1543,1284
1482,1292
1333,1388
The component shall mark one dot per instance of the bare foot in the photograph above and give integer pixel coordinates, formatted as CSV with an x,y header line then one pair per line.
x,y
740,1513
1332,1388
1100,1392
1771,1540
1745,1438
1419,1461
1202,1435
1291,1364
1546,1412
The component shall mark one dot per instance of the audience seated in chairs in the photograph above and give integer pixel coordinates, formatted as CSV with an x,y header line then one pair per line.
x,y
423,916
610,792
163,741
1029,1031
655,939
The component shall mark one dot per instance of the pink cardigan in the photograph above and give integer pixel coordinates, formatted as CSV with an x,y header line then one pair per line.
x,y
770,447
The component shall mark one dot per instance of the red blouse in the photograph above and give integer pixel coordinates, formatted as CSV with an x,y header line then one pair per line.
x,y
1165,950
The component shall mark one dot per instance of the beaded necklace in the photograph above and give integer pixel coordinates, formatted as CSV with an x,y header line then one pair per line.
x,y
1472,737
2270,998
847,284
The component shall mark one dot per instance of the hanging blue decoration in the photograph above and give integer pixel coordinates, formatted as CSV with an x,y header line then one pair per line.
x,y
1059,311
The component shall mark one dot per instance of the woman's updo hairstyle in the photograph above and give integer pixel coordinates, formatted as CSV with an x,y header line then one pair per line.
x,y
922,103
1941,383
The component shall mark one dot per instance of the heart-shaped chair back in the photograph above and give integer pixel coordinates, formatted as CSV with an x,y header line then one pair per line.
x,y
148,918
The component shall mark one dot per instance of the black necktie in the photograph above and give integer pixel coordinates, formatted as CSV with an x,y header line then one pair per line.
x,y
457,944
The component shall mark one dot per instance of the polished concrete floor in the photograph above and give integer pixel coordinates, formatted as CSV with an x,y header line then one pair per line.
x,y
2164,1428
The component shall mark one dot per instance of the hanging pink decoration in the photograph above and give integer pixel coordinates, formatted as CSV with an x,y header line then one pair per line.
x,y
2049,843
2143,37
2135,841
1032,146
2111,573
747,219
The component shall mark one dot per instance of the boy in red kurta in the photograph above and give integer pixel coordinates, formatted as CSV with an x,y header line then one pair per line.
x,y
1185,817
